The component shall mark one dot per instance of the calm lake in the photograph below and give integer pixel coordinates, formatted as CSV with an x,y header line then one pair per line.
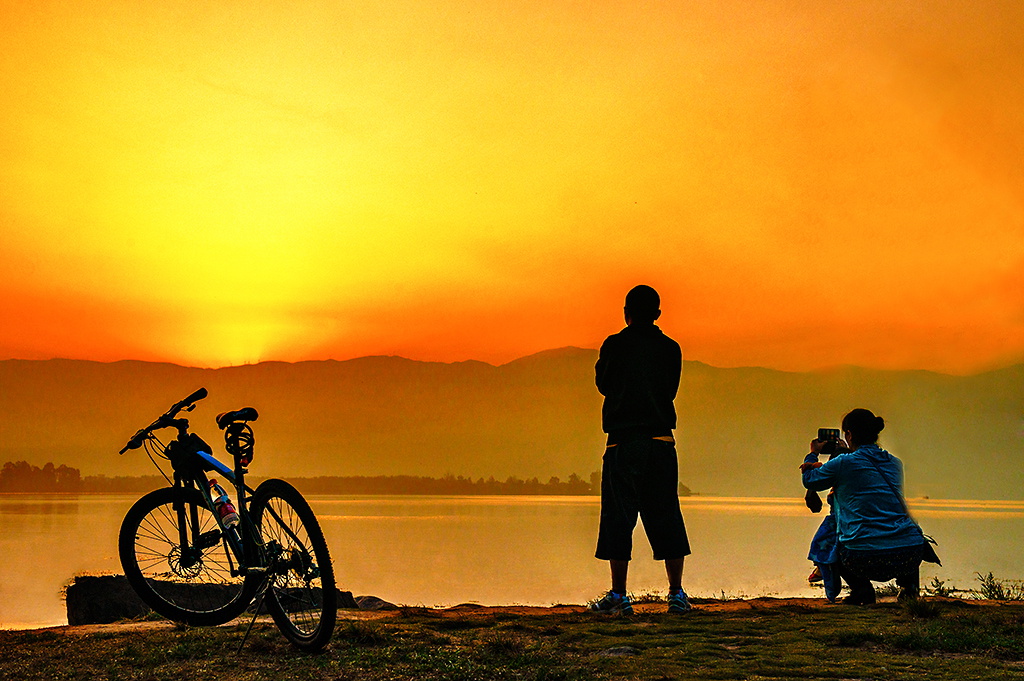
x,y
418,550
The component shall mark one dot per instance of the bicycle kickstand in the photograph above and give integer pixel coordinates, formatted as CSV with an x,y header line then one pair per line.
x,y
261,595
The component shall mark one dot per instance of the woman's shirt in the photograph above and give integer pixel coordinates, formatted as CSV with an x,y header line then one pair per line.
x,y
869,515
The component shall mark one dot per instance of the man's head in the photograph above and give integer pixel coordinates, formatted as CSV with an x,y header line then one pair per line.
x,y
642,305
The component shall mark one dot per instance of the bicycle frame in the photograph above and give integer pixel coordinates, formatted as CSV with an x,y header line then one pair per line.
x,y
191,460
190,467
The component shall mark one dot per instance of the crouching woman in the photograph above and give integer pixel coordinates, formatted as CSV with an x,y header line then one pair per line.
x,y
878,541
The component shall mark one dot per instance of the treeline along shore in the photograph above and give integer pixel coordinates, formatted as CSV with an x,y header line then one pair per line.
x,y
22,477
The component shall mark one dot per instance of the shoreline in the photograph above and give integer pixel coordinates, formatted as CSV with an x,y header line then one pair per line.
x,y
470,609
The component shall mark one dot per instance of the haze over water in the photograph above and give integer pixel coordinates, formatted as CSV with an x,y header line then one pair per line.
x,y
500,550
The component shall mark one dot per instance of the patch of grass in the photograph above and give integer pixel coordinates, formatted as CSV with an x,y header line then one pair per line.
x,y
574,636
363,633
855,638
965,639
992,588
505,617
441,640
647,597
989,588
454,624
617,627
720,596
41,636
938,587
995,637
501,644
921,608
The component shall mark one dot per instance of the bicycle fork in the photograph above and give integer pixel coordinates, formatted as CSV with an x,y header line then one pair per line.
x,y
193,542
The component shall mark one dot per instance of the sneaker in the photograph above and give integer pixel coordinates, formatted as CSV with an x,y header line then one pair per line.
x,y
613,603
864,597
815,575
678,603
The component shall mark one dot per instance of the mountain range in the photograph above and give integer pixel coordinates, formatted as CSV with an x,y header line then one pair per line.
x,y
742,431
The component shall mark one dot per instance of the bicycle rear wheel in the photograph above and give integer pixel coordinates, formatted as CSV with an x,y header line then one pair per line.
x,y
193,583
301,594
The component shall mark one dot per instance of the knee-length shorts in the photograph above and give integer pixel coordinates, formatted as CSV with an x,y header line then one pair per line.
x,y
640,478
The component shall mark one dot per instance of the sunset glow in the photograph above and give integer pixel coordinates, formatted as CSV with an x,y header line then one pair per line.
x,y
807,184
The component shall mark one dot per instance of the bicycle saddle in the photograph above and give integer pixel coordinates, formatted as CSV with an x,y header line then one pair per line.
x,y
244,414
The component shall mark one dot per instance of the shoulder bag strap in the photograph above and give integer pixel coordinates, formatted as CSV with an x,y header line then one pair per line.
x,y
903,502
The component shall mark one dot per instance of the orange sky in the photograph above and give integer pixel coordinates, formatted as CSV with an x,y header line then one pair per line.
x,y
807,183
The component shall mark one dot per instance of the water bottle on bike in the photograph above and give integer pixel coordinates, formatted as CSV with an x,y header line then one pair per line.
x,y
222,502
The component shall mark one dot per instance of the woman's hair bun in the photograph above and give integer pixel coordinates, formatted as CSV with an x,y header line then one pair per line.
x,y
864,425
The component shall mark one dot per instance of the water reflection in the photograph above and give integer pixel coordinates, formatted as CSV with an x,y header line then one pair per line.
x,y
39,504
45,540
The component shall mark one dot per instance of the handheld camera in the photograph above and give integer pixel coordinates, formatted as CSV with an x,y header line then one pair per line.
x,y
833,445
827,434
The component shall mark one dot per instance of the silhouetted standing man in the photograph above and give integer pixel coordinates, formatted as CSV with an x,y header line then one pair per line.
x,y
638,374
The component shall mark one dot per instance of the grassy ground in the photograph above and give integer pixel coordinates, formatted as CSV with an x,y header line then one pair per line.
x,y
756,639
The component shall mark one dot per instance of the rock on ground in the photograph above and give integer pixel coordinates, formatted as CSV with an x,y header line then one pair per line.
x,y
101,599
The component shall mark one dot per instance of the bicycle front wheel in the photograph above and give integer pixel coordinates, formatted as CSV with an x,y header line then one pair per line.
x,y
190,581
301,594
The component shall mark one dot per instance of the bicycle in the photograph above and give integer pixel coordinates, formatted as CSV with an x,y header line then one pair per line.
x,y
195,559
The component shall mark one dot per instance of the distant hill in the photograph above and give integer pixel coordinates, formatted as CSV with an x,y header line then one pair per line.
x,y
742,431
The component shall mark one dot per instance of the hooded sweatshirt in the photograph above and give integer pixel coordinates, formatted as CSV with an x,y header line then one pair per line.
x,y
638,374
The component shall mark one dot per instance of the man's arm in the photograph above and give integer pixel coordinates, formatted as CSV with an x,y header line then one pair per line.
x,y
601,369
675,370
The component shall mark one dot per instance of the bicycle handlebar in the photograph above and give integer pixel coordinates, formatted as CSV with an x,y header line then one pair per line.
x,y
164,421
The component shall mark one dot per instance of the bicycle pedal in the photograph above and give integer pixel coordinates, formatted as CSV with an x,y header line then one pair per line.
x,y
208,539
246,571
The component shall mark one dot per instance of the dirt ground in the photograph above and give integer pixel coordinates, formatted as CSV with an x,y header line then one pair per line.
x,y
463,610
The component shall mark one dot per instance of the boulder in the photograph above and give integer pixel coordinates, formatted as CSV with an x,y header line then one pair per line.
x,y
374,603
101,599
346,601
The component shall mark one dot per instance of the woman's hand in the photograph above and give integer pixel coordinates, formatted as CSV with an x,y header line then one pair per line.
x,y
816,446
